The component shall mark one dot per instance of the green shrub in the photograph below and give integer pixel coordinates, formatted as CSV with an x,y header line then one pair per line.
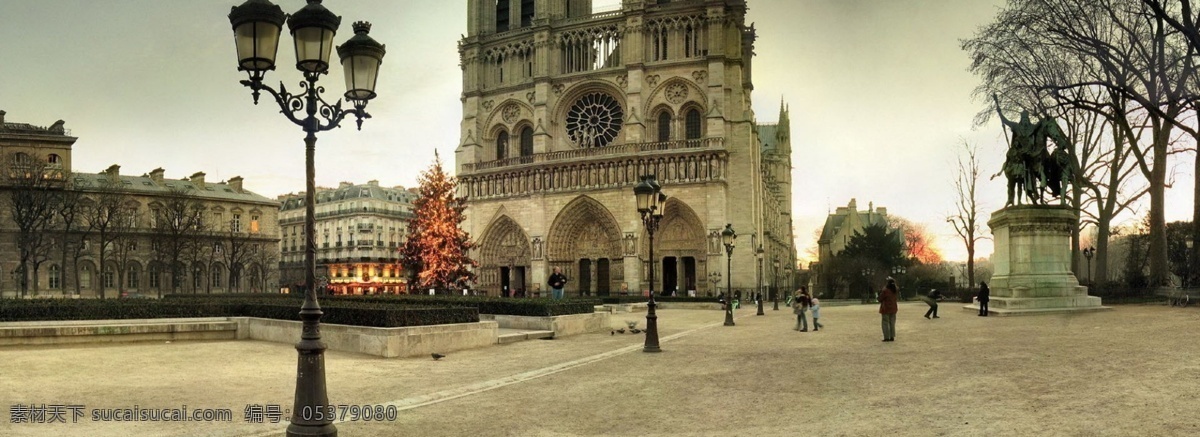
x,y
378,314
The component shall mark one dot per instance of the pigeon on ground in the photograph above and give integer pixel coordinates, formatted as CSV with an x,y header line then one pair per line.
x,y
636,331
622,330
437,356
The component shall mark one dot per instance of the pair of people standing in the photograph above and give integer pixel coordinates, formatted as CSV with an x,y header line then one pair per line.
x,y
801,303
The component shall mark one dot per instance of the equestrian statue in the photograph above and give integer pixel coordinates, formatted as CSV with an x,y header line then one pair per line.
x,y
1029,166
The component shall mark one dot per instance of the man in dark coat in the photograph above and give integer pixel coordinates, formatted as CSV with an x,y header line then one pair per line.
x,y
932,300
983,298
557,282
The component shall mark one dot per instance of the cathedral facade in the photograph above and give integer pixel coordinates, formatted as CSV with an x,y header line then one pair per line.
x,y
564,108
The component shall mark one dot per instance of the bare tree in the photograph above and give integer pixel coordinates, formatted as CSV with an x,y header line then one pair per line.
x,y
70,229
33,186
106,218
1122,48
176,225
966,217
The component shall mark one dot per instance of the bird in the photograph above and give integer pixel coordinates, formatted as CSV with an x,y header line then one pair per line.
x,y
622,330
436,356
636,331
612,333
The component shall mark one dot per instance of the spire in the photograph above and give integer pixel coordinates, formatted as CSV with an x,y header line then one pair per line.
x,y
783,132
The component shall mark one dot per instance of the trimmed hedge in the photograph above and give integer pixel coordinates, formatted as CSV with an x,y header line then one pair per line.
x,y
377,314
488,305
612,300
485,304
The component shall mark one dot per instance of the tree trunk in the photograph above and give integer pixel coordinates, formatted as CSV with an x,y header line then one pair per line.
x,y
1103,231
1159,275
1194,256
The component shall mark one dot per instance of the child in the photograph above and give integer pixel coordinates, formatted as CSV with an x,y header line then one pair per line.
x,y
816,313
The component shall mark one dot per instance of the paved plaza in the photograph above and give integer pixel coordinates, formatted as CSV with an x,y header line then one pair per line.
x,y
1130,371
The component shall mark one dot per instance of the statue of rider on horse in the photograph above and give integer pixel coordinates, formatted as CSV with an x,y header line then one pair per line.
x,y
1029,165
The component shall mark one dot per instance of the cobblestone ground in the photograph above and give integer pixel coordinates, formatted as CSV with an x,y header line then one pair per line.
x,y
1129,371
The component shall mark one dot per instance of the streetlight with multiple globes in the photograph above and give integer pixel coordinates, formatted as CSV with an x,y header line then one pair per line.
x,y
1089,253
715,278
728,236
758,256
256,28
650,202
775,274
898,270
867,274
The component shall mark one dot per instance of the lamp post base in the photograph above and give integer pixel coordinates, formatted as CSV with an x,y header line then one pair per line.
x,y
729,317
651,328
760,306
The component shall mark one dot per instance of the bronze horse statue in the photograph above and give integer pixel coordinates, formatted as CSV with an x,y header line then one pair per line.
x,y
1029,166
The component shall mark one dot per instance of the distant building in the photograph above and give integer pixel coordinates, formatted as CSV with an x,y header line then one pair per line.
x,y
839,228
566,107
229,247
359,232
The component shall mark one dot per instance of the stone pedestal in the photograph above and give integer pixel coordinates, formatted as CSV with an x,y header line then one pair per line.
x,y
1032,263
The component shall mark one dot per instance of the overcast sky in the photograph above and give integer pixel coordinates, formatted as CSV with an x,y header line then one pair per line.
x,y
879,94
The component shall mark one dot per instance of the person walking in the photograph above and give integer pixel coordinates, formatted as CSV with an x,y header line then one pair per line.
x,y
984,296
932,299
557,282
816,314
888,310
800,307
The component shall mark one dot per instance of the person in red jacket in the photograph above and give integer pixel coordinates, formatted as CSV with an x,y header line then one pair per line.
x,y
887,309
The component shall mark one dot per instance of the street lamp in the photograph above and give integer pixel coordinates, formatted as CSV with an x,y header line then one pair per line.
x,y
775,275
758,256
728,236
897,271
650,200
256,27
715,278
867,273
1088,254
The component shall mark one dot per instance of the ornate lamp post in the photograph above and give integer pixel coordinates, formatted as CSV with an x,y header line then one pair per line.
x,y
897,271
728,236
758,256
867,273
256,28
1089,253
775,274
715,278
650,200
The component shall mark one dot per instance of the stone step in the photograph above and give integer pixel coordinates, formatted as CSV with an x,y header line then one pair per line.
x,y
514,335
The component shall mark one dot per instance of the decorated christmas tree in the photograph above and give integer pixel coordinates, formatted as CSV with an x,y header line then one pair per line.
x,y
436,252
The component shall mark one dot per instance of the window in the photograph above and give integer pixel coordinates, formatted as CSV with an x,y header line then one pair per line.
x,y
216,277
54,159
132,277
693,124
108,278
218,221
154,276
526,13
133,245
501,15
218,248
664,126
527,141
55,277
236,224
253,224
502,145
198,278
85,277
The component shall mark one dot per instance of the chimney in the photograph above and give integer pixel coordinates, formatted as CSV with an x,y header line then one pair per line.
x,y
236,183
2,118
113,172
344,184
373,183
198,179
882,211
156,175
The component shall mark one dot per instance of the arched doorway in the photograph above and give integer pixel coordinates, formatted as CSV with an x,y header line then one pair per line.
x,y
586,240
504,258
679,249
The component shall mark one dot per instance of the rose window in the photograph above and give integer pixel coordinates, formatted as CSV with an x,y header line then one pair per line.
x,y
594,120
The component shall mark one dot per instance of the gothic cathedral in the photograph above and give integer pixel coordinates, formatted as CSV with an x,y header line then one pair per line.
x,y
565,107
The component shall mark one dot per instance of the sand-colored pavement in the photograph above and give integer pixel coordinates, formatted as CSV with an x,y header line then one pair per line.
x,y
1130,371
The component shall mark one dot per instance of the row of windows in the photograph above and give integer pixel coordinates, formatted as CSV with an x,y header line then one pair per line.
x,y
133,278
692,125
503,10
